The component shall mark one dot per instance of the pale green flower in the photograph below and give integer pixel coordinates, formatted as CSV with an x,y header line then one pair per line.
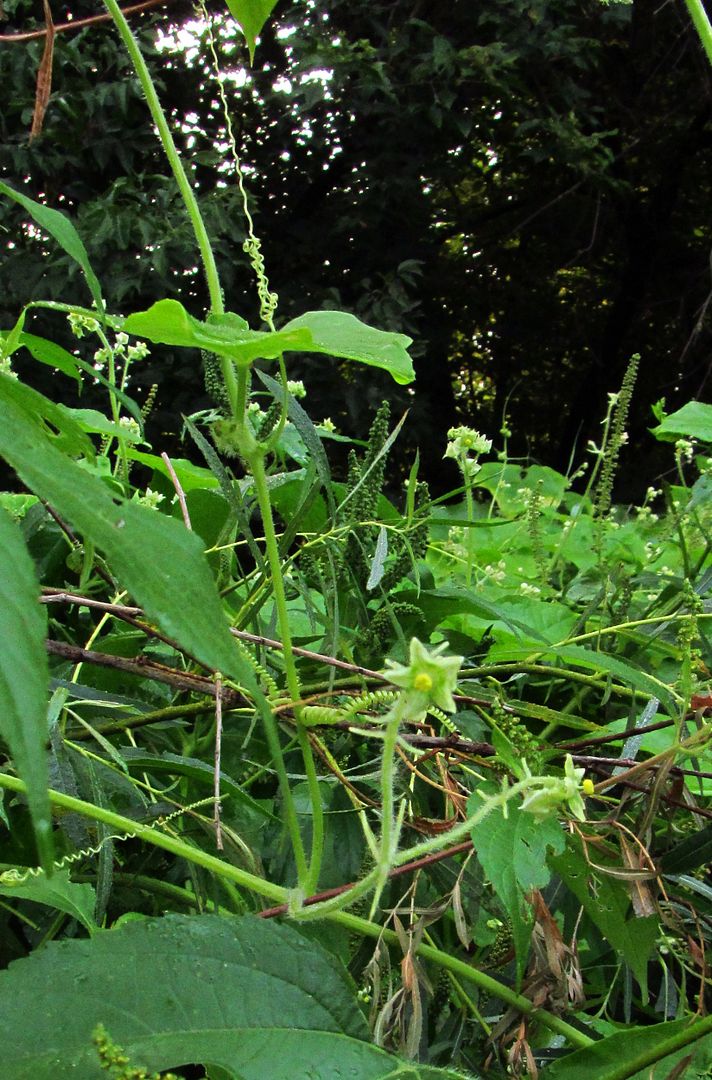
x,y
429,678
296,388
465,440
557,793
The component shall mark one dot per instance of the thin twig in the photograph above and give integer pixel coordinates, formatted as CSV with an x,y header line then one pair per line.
x,y
407,868
77,24
142,668
179,491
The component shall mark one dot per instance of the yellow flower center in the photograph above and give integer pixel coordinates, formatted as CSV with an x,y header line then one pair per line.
x,y
423,682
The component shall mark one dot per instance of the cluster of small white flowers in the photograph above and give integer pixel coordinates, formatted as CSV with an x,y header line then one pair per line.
x,y
644,513
149,498
529,590
296,388
6,367
496,573
686,449
465,440
465,445
121,349
82,324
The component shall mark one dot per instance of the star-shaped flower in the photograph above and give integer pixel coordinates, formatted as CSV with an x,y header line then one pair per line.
x,y
559,791
429,678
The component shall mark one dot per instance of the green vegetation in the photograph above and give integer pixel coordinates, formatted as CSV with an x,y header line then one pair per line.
x,y
308,773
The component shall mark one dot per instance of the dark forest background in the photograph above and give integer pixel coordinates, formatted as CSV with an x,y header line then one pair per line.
x,y
522,186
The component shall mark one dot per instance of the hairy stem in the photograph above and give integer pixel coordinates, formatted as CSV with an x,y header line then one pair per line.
x,y
309,879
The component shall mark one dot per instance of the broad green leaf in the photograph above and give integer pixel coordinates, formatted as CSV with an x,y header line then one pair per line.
x,y
70,436
512,851
692,421
95,422
61,228
439,604
632,1053
607,904
335,333
245,994
24,677
57,892
47,352
250,16
624,670
168,323
189,475
155,557
338,333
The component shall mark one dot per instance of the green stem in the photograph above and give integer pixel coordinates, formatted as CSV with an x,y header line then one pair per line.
x,y
245,880
702,25
389,831
188,195
308,879
151,835
464,971
469,504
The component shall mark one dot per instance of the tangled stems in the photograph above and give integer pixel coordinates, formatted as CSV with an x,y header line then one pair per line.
x,y
244,879
237,388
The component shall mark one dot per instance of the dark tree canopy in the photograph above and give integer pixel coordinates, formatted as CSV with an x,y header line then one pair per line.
x,y
522,187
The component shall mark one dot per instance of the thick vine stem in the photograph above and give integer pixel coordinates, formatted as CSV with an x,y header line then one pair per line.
x,y
242,878
702,25
188,195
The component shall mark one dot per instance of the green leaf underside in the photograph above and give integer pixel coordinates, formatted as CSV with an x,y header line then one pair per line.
x,y
47,352
155,557
332,332
70,435
248,995
24,676
62,230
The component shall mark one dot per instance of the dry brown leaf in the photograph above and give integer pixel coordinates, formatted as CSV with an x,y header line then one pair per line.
x,y
640,893
44,77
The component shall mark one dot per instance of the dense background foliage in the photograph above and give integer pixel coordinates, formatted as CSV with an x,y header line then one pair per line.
x,y
310,768
520,188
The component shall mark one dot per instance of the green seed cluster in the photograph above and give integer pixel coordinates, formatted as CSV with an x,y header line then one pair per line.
x,y
115,1061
